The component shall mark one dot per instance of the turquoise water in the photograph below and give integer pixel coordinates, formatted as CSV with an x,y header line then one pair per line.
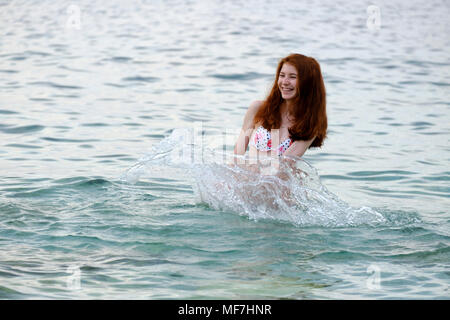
x,y
91,93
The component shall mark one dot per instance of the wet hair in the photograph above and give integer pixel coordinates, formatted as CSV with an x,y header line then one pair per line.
x,y
310,116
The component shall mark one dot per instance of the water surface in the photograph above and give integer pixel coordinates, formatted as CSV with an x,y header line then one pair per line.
x,y
84,100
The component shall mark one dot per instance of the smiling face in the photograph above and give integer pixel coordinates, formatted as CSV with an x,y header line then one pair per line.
x,y
287,81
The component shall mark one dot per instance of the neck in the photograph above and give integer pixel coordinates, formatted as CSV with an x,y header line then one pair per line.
x,y
287,107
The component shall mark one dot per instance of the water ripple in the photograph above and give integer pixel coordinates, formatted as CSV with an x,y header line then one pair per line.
x,y
54,85
241,76
22,129
2,111
140,79
52,139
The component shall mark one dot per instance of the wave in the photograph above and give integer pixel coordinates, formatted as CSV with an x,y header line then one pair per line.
x,y
286,189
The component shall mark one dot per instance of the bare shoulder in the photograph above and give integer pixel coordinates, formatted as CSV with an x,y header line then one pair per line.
x,y
255,105
251,111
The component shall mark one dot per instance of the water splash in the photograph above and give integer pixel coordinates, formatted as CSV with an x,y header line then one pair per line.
x,y
287,189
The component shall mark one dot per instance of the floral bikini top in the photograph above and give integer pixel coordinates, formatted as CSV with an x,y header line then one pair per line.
x,y
263,141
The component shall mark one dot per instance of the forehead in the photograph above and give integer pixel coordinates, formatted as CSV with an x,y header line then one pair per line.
x,y
288,68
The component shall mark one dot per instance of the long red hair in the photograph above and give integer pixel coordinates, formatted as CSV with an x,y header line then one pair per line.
x,y
310,116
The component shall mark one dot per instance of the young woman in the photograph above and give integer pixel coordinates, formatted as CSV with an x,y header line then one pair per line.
x,y
293,116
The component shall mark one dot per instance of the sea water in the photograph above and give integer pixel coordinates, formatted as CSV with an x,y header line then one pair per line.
x,y
99,100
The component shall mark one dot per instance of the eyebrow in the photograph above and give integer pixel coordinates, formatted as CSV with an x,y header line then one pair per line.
x,y
281,72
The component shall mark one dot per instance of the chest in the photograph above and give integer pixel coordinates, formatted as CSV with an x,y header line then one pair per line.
x,y
263,140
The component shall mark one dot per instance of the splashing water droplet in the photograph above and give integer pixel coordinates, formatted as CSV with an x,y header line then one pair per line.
x,y
287,189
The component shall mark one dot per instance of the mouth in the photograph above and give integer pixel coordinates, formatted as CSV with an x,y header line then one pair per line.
x,y
287,90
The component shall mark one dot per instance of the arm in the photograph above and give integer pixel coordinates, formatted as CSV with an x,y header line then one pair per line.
x,y
298,148
247,128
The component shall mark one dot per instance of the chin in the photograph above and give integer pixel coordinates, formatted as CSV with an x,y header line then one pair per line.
x,y
288,97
